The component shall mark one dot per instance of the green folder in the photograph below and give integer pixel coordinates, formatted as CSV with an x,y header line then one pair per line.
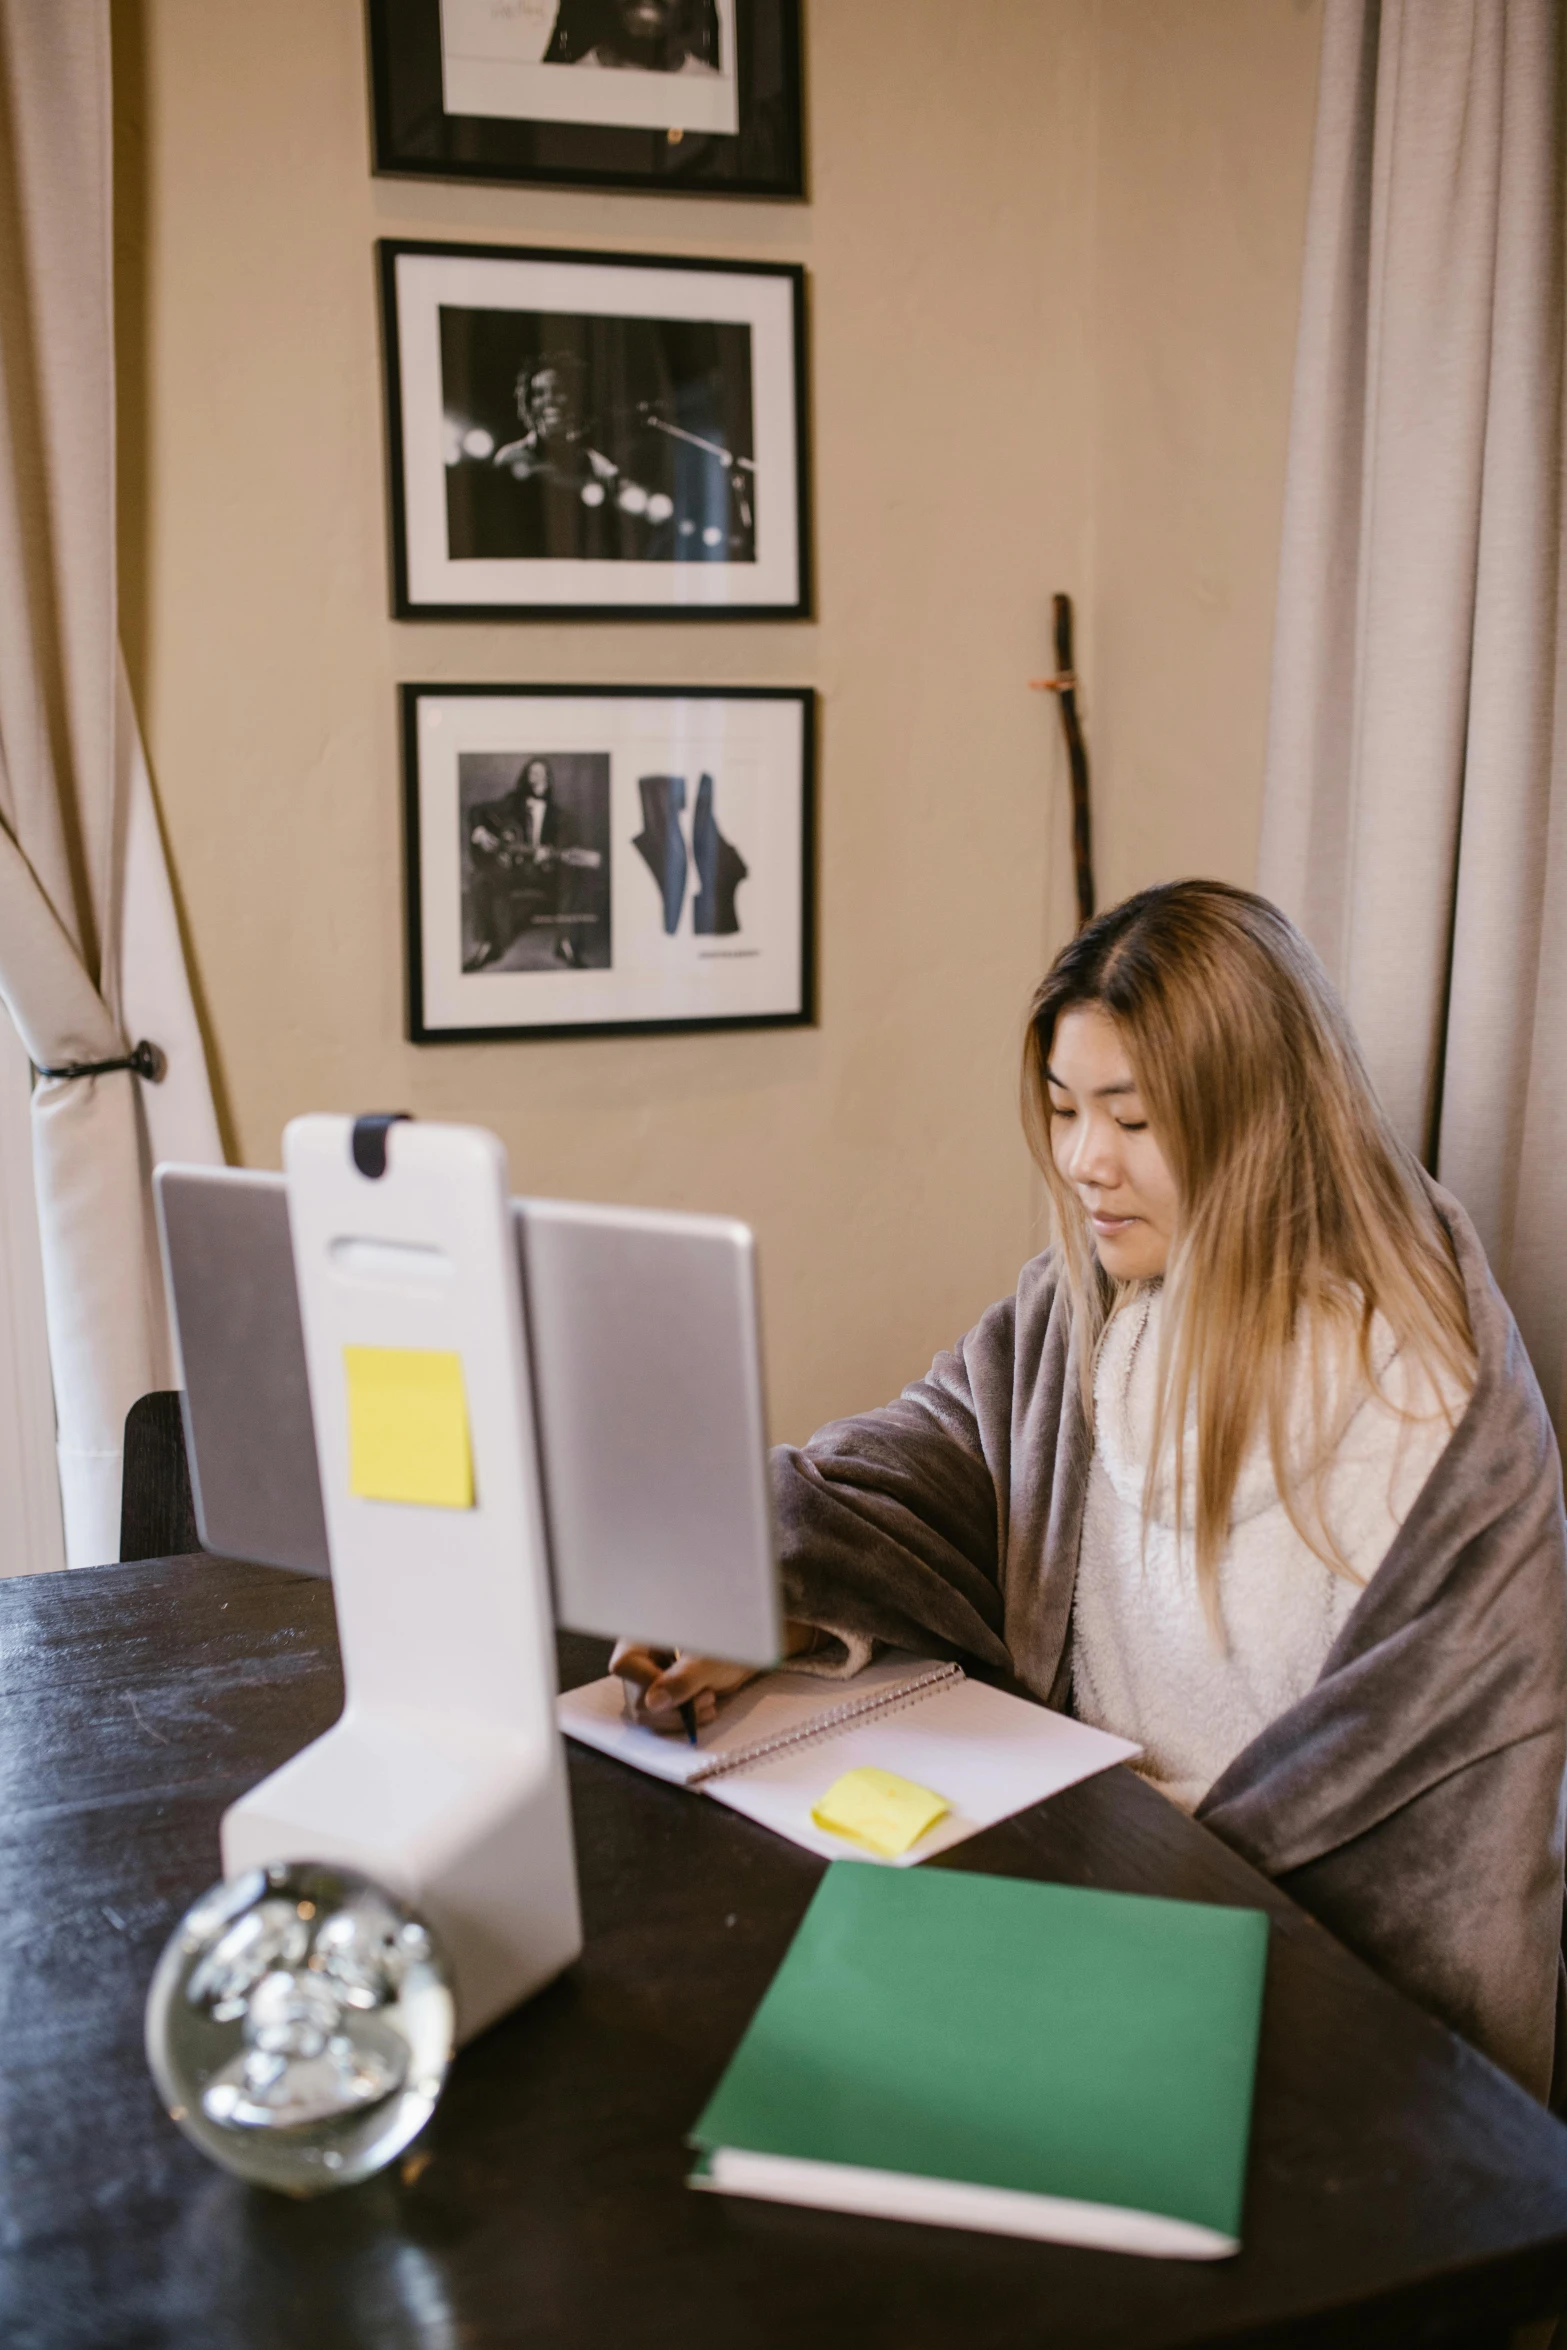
x,y
989,2053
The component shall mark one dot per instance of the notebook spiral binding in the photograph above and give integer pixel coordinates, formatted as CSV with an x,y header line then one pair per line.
x,y
855,1710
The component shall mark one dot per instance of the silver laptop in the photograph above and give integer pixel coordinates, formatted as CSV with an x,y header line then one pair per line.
x,y
643,1334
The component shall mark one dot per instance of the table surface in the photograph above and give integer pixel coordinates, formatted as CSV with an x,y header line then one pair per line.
x,y
1401,2190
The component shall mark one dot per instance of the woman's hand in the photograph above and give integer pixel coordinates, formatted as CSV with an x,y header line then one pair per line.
x,y
661,1683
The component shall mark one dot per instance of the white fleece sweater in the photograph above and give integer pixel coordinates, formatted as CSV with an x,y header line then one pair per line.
x,y
1145,1662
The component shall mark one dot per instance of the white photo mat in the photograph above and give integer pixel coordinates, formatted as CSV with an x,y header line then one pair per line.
x,y
757,750
426,280
492,64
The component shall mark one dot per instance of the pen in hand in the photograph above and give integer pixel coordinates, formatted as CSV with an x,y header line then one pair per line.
x,y
631,1696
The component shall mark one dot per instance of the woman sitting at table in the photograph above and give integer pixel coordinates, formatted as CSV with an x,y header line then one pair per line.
x,y
1252,1468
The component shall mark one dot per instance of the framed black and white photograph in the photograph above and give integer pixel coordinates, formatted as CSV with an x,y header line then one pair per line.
x,y
593,433
585,860
661,94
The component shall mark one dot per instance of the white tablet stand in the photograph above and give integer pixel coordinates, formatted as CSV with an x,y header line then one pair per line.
x,y
444,1778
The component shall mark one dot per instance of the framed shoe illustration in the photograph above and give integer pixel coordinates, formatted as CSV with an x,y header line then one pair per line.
x,y
597,860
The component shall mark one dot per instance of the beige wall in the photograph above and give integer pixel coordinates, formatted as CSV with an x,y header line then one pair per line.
x,y
1053,248
1205,112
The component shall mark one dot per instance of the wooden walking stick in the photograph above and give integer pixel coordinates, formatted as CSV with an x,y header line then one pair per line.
x,y
1064,686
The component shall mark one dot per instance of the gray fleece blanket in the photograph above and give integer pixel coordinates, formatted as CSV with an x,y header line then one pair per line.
x,y
1413,1800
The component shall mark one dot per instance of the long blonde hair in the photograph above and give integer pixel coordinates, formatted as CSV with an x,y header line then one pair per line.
x,y
1300,1210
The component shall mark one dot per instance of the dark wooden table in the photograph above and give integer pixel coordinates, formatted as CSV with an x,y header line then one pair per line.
x,y
1401,2190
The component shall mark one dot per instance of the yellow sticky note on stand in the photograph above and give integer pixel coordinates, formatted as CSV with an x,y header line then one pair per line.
x,y
879,1809
408,1427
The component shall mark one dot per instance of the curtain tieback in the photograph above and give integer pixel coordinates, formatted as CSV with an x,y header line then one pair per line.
x,y
144,1060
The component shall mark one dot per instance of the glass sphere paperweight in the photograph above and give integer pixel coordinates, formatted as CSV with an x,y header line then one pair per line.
x,y
299,2026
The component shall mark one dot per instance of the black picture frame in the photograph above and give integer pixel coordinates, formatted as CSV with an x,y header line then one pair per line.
x,y
769,803
751,318
413,135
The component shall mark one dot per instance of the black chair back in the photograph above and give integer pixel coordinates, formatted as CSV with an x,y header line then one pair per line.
x,y
157,1514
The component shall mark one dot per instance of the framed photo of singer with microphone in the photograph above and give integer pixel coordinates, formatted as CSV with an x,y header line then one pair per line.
x,y
594,434
598,860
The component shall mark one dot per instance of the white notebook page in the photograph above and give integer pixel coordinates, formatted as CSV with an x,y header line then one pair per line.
x,y
774,1706
986,1753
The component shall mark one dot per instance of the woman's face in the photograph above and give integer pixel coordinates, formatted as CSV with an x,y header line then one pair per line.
x,y
1104,1147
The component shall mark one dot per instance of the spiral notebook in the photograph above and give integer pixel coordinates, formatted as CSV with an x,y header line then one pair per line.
x,y
781,1741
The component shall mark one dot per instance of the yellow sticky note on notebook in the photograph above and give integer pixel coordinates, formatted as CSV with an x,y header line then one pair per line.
x,y
408,1427
879,1809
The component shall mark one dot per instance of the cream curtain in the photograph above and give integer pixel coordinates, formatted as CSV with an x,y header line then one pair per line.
x,y
90,958
1415,814
32,1534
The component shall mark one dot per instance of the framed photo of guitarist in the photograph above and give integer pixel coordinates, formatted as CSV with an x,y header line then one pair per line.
x,y
535,870
597,860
